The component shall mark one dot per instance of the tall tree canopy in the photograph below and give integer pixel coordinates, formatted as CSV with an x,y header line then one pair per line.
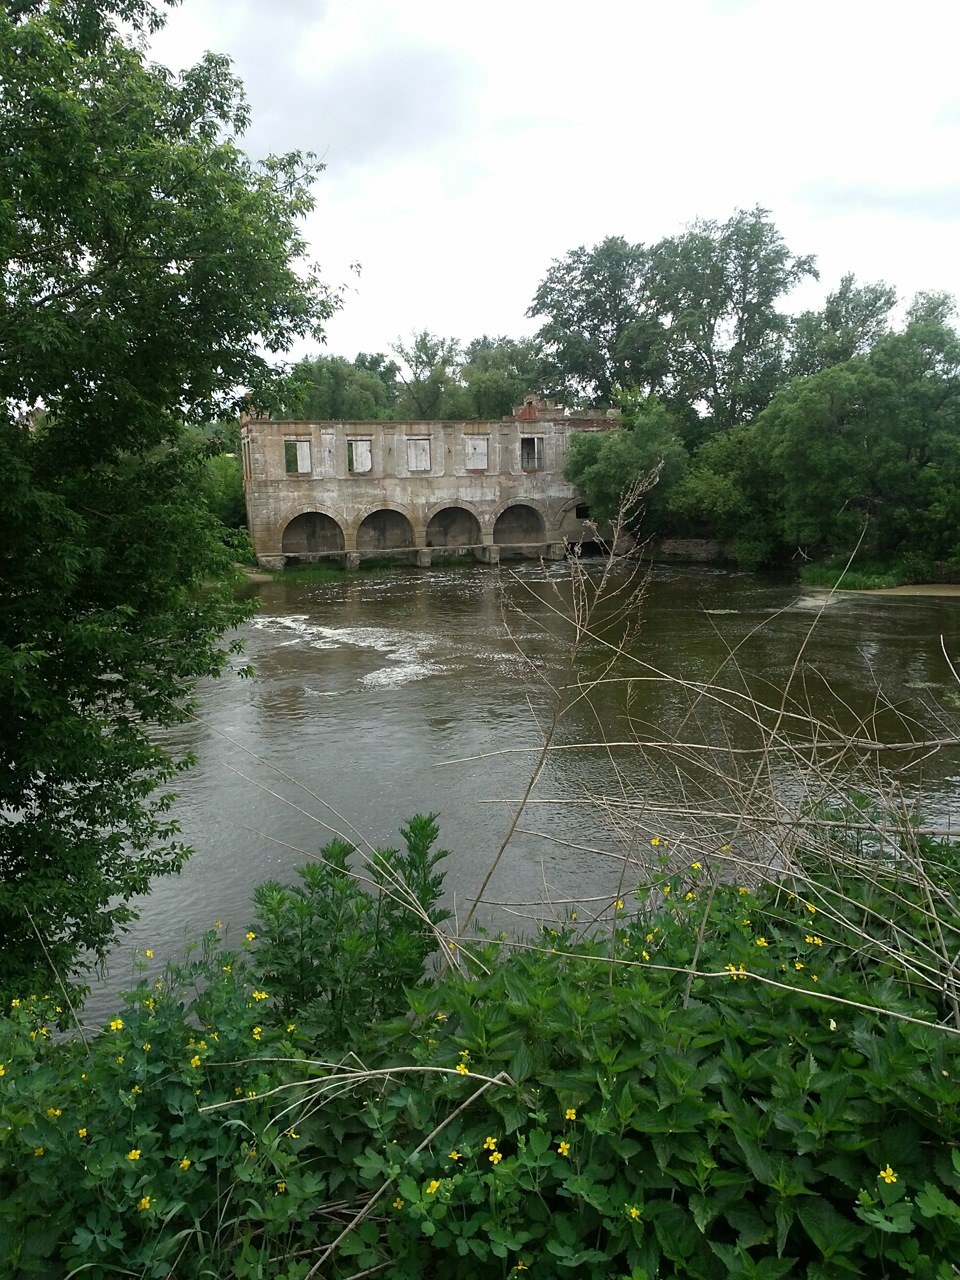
x,y
151,272
694,319
865,451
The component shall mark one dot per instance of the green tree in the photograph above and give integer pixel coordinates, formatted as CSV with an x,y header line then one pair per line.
x,y
499,372
852,320
430,376
604,465
331,389
601,329
716,289
874,444
150,276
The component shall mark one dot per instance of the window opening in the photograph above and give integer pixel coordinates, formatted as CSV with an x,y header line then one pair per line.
x,y
359,456
296,455
531,453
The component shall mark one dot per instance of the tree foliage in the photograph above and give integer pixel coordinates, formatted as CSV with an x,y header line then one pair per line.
x,y
694,318
604,465
853,318
331,389
150,274
864,452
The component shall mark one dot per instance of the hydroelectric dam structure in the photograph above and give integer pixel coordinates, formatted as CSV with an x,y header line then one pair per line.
x,y
345,491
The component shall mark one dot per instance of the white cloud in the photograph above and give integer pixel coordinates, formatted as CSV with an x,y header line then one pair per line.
x,y
469,145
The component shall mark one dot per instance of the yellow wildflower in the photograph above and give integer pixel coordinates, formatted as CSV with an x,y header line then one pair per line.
x,y
256,1032
291,1026
742,890
185,1163
811,908
496,1157
888,1175
570,1113
463,1069
633,1211
116,1024
251,936
646,955
454,1155
812,938
195,1060
564,1148
433,1186
688,896
53,1112
136,1089
762,942
619,904
143,1204
149,954
38,1151
696,866
218,924
81,1133
146,1046
489,1144
398,1203
292,1133
134,1154
260,995
120,1059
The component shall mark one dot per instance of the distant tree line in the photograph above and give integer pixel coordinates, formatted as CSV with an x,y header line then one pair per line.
x,y
807,433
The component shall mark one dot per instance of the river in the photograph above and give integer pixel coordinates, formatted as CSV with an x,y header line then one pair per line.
x,y
376,697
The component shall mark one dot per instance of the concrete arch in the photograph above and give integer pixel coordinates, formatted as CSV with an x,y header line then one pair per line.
x,y
372,508
454,524
437,507
385,529
542,508
519,523
311,533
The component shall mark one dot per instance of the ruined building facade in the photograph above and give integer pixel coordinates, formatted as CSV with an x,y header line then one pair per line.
x,y
345,490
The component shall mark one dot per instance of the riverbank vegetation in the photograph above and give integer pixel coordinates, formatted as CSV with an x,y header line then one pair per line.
x,y
715,1074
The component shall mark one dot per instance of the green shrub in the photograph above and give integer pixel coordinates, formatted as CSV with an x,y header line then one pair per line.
x,y
720,1079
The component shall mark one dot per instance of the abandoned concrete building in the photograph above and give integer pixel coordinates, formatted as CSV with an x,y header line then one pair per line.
x,y
348,490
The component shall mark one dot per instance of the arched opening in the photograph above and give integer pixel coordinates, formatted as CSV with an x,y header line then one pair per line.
x,y
312,534
454,527
385,530
519,525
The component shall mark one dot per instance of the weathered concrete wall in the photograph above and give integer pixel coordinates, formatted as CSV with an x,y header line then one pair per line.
x,y
308,498
694,550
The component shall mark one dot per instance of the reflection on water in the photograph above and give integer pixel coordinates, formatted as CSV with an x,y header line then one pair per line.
x,y
376,698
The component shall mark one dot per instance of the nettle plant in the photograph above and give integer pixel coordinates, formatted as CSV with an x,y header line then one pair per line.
x,y
754,1079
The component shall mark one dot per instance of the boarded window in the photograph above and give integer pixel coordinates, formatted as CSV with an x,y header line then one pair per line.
x,y
418,455
296,454
531,453
359,456
476,452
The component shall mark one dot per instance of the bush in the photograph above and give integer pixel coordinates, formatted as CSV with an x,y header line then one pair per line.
x,y
721,1079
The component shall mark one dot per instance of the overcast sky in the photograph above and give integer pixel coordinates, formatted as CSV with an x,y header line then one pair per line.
x,y
468,145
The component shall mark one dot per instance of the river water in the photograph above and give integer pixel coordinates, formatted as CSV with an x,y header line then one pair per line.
x,y
377,697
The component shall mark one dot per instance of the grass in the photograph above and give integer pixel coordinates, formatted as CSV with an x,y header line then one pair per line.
x,y
865,577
